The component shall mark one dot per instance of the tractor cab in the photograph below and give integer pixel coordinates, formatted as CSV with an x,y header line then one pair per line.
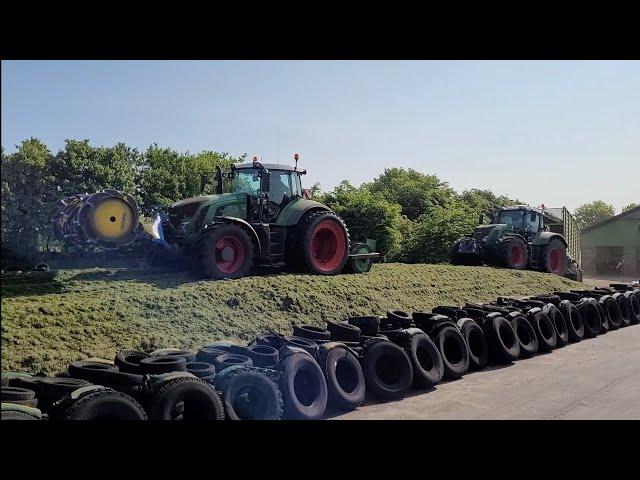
x,y
269,187
522,220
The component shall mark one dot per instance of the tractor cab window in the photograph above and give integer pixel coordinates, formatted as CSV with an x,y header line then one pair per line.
x,y
296,184
512,218
533,221
246,181
280,186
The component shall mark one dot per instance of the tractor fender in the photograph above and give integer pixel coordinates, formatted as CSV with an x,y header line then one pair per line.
x,y
543,238
239,221
294,211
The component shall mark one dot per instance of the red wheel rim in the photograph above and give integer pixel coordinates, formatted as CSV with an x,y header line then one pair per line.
x,y
555,260
517,255
229,254
327,246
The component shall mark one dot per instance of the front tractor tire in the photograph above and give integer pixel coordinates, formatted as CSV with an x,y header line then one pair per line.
x,y
322,243
553,257
512,253
225,251
458,258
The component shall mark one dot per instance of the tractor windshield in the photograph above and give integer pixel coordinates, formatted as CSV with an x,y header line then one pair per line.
x,y
512,218
246,181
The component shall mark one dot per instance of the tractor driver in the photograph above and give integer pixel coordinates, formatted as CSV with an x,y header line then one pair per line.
x,y
280,190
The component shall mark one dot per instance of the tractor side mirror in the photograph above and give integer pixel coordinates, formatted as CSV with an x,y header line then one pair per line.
x,y
305,193
265,182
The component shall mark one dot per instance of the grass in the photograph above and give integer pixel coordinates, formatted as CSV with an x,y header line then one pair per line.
x,y
94,312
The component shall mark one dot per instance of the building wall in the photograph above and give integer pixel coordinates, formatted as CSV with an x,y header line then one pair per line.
x,y
623,232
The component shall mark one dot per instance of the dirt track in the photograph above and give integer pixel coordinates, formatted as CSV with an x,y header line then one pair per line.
x,y
594,379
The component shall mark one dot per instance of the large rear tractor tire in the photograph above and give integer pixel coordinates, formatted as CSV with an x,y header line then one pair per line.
x,y
225,251
553,257
322,243
512,253
458,258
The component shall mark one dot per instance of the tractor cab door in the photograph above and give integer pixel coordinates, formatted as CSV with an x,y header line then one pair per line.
x,y
532,225
284,187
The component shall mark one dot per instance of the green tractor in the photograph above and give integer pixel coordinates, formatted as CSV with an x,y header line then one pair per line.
x,y
521,237
266,219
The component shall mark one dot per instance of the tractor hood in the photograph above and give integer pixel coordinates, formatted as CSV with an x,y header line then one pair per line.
x,y
482,231
187,208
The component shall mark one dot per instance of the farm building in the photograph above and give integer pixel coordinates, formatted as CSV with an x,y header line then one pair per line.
x,y
606,243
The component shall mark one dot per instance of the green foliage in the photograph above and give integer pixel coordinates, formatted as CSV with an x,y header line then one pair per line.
x,y
485,201
368,215
434,233
592,213
630,206
415,192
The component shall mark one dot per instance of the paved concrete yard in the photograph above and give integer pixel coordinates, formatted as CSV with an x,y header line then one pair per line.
x,y
595,379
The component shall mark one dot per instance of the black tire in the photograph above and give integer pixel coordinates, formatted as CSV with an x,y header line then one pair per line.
x,y
307,345
51,389
304,389
400,318
544,328
387,369
263,355
573,297
333,258
251,395
188,355
575,325
428,367
634,306
19,415
213,263
8,375
105,405
208,355
346,386
590,317
604,318
311,332
268,339
555,299
196,399
559,323
230,359
102,374
527,337
452,312
512,253
453,350
163,364
430,322
19,396
612,310
343,331
128,361
369,325
627,314
458,258
201,369
553,257
476,343
504,346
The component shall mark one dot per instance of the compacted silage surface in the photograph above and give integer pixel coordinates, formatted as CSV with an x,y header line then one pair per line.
x,y
92,313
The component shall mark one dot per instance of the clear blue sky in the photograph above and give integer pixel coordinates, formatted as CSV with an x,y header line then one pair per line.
x,y
557,132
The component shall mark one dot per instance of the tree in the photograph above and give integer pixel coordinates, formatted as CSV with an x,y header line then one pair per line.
x,y
484,201
415,192
27,203
630,206
433,234
592,213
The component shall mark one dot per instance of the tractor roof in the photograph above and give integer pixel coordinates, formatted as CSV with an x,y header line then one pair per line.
x,y
520,207
268,166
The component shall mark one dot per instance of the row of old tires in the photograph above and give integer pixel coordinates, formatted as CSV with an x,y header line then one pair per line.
x,y
318,370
